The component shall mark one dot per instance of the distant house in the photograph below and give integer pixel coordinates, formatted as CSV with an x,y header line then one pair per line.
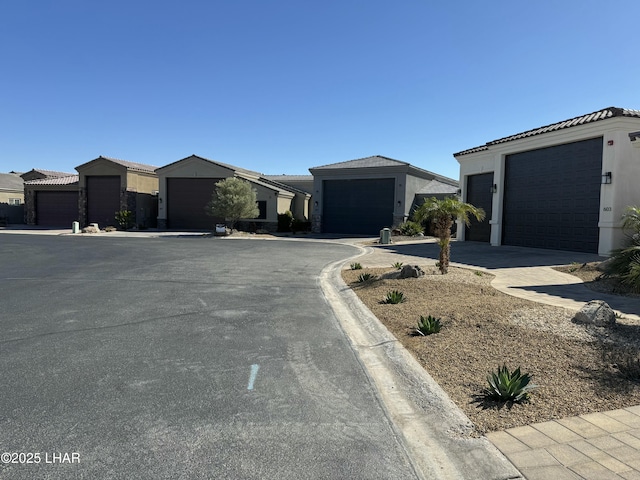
x,y
109,185
11,198
563,186
187,185
365,195
51,201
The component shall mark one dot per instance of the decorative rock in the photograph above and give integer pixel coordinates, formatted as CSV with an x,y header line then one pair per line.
x,y
90,229
603,266
597,313
411,271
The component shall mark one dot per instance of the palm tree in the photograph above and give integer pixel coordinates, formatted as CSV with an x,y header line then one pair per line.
x,y
442,213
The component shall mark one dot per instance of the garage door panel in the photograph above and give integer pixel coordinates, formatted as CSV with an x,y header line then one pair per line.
x,y
56,208
358,206
560,187
103,199
186,202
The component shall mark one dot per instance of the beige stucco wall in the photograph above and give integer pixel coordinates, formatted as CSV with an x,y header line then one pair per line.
x,y
101,168
5,195
621,158
142,182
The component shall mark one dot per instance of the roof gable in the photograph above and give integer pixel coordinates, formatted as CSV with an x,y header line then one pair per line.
x,y
603,114
66,180
367,162
133,166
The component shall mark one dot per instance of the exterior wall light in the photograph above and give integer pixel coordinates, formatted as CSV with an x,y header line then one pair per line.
x,y
606,178
493,188
399,202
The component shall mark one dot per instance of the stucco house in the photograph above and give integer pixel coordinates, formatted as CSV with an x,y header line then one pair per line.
x,y
11,198
562,186
365,195
51,201
187,185
109,185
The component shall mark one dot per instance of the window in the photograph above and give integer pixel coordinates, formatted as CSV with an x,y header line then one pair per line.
x,y
15,201
262,206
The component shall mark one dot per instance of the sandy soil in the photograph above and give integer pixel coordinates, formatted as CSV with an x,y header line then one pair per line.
x,y
577,369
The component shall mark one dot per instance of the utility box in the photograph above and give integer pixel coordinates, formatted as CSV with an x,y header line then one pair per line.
x,y
75,227
385,236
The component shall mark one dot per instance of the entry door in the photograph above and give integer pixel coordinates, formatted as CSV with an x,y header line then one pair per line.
x,y
480,194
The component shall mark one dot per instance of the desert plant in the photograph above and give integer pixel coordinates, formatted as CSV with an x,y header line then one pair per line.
x,y
394,297
625,360
428,325
124,219
442,214
398,265
364,277
478,273
625,261
233,199
506,386
411,229
356,266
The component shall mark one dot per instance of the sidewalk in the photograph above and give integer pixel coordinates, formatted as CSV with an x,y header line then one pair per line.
x,y
603,445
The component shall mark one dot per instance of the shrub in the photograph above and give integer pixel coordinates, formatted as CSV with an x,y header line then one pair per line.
x,y
356,266
365,277
124,218
398,265
428,325
285,220
394,297
625,261
625,360
506,386
411,229
300,225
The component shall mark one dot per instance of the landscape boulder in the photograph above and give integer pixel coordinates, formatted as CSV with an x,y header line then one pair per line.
x,y
411,271
604,266
597,313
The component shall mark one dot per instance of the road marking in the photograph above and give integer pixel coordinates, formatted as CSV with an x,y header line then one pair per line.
x,y
252,376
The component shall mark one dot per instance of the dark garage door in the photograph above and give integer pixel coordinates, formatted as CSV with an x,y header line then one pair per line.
x,y
552,197
358,206
186,201
56,209
479,194
103,199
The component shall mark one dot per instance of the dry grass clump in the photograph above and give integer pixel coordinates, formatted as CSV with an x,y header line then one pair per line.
x,y
484,328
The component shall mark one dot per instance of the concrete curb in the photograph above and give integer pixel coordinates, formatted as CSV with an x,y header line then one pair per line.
x,y
435,432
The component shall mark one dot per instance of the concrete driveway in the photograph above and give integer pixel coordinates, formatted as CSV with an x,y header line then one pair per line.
x,y
182,358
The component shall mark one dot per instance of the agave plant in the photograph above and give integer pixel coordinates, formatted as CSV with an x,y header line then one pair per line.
x,y
356,266
506,386
364,277
398,265
393,297
428,325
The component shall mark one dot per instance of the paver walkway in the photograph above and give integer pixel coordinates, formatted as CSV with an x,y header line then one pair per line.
x,y
596,446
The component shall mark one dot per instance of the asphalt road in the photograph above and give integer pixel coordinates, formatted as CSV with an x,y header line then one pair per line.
x,y
182,358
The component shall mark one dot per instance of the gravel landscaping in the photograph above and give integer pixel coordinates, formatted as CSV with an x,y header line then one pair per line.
x,y
577,369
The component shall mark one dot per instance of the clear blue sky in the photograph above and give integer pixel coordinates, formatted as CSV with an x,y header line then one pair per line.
x,y
281,86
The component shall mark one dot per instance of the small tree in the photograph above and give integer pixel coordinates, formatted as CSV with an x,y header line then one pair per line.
x,y
442,213
232,200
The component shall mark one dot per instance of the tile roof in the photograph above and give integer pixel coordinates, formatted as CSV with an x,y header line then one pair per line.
x,y
603,114
374,161
139,167
11,181
50,173
225,165
66,180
